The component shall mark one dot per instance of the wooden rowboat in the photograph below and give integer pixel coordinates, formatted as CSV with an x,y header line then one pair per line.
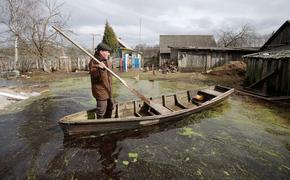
x,y
136,114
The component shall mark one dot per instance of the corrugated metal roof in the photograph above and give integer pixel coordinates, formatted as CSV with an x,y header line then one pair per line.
x,y
271,54
185,40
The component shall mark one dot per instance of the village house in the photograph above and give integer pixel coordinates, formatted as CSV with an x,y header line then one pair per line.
x,y
197,52
127,58
201,59
268,71
167,41
151,56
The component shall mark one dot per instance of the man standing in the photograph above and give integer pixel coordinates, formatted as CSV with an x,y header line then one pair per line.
x,y
101,81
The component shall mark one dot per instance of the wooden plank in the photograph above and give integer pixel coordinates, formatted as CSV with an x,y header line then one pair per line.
x,y
252,73
117,111
211,92
135,110
163,100
273,78
196,102
276,78
191,94
177,103
268,71
264,86
279,77
261,96
284,84
268,76
288,92
257,70
159,108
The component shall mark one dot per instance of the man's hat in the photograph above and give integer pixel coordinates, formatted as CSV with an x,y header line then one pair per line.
x,y
103,47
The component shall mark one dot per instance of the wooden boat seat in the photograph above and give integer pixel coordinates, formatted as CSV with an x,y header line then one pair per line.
x,y
196,102
210,92
159,108
137,114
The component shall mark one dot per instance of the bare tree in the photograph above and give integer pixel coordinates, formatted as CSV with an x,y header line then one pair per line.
x,y
245,36
29,21
142,47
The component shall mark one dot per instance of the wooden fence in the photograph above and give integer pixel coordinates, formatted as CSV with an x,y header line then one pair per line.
x,y
269,76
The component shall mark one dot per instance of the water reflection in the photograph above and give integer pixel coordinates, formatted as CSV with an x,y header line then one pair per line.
x,y
240,138
100,154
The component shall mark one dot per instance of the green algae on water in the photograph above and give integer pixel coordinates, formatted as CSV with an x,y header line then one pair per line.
x,y
187,131
133,156
126,163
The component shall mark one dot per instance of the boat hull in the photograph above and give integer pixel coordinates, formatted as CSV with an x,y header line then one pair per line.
x,y
71,126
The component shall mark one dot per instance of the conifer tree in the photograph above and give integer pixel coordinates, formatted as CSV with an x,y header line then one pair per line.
x,y
110,38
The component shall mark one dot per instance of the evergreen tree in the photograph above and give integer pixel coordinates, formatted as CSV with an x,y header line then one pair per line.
x,y
110,38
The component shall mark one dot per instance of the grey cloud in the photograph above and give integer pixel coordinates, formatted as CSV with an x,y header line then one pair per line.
x,y
176,17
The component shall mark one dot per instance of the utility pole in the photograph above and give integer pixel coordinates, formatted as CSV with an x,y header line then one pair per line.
x,y
94,41
140,35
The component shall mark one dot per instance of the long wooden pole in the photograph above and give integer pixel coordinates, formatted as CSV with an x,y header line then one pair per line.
x,y
134,91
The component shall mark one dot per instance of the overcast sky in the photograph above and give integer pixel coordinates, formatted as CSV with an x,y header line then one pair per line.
x,y
159,17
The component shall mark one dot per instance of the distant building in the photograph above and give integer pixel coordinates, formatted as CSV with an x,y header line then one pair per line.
x,y
202,59
151,56
127,58
268,71
167,41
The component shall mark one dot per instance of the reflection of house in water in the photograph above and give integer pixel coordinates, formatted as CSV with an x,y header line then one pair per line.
x,y
127,58
197,52
268,71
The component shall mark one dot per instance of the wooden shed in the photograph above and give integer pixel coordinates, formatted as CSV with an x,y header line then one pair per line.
x,y
204,58
166,41
151,56
268,71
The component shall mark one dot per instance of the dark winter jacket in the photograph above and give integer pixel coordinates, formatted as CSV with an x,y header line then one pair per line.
x,y
101,80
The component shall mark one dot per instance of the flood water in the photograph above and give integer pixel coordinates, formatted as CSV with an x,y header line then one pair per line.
x,y
242,138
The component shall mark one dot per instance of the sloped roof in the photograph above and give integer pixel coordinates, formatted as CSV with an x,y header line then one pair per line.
x,y
185,40
254,49
123,45
150,52
279,38
276,53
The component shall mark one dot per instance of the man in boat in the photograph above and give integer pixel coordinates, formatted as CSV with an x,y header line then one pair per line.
x,y
101,81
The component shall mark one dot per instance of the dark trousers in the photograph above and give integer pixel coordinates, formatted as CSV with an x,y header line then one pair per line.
x,y
104,108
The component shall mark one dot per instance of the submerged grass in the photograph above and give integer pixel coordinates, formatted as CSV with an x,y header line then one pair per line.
x,y
187,131
240,138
